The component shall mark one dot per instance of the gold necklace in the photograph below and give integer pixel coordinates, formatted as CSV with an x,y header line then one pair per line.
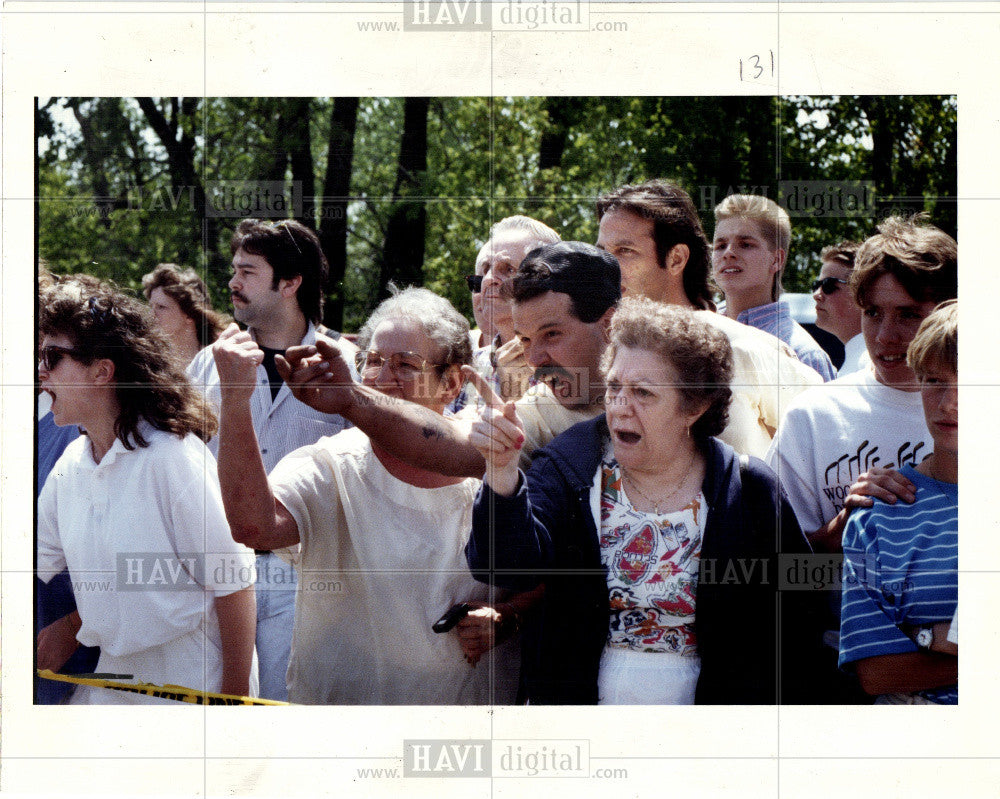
x,y
656,505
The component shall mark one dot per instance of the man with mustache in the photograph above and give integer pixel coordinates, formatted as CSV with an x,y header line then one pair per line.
x,y
278,274
561,322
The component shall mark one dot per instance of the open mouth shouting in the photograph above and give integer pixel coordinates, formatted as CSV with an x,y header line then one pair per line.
x,y
627,437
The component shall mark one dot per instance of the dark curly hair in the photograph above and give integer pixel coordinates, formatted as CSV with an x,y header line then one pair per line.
x,y
699,353
103,322
189,291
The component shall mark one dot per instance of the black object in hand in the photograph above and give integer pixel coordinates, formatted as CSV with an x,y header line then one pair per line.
x,y
454,615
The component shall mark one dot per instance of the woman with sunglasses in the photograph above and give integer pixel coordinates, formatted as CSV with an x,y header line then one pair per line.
x,y
381,543
132,507
836,310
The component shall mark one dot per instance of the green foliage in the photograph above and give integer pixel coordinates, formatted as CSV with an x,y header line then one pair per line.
x,y
110,203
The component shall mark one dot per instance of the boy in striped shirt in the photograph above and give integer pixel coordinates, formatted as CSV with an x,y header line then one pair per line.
x,y
901,560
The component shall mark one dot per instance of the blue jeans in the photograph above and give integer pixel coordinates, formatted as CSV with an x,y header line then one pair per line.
x,y
55,600
275,588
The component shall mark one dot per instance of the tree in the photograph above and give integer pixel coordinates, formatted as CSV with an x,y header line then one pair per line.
x,y
402,257
333,211
410,186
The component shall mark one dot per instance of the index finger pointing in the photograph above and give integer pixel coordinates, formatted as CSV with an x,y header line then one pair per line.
x,y
482,385
329,349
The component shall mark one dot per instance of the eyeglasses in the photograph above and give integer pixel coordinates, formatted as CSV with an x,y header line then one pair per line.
x,y
51,355
405,365
475,283
828,284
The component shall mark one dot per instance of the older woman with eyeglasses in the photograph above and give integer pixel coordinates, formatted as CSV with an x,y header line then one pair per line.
x,y
656,543
381,556
132,508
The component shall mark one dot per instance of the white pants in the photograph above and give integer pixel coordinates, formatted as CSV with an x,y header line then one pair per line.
x,y
628,677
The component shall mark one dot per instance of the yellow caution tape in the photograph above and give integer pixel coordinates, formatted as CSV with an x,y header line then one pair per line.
x,y
176,692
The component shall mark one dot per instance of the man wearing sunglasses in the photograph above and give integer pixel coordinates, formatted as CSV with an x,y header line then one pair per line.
x,y
278,275
836,310
496,352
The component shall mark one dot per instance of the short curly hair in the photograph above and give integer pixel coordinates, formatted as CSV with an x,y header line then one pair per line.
x,y
442,324
150,385
699,353
189,291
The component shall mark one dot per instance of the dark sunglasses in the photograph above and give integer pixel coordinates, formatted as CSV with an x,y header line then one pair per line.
x,y
828,284
475,283
51,355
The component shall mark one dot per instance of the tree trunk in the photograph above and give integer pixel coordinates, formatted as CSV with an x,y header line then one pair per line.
x,y
181,151
561,112
333,212
94,158
300,154
880,125
403,253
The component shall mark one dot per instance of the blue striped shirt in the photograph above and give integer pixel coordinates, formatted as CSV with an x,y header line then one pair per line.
x,y
776,319
900,566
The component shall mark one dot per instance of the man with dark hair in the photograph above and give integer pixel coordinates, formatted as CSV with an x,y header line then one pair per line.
x,y
292,251
562,298
654,231
836,310
278,275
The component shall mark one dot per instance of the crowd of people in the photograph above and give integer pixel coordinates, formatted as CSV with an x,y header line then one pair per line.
x,y
593,497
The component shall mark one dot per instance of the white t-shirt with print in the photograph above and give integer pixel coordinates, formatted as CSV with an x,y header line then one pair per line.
x,y
834,432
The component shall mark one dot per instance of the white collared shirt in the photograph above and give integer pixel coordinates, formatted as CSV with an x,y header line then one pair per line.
x,y
145,538
282,425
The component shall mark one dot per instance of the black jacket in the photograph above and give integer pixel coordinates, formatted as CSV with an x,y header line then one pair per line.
x,y
547,533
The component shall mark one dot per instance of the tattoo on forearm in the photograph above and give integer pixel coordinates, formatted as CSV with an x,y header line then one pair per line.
x,y
432,432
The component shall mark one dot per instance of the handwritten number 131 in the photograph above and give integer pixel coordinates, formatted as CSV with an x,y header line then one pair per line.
x,y
753,69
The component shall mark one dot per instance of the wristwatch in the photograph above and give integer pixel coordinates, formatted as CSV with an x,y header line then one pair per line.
x,y
925,638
